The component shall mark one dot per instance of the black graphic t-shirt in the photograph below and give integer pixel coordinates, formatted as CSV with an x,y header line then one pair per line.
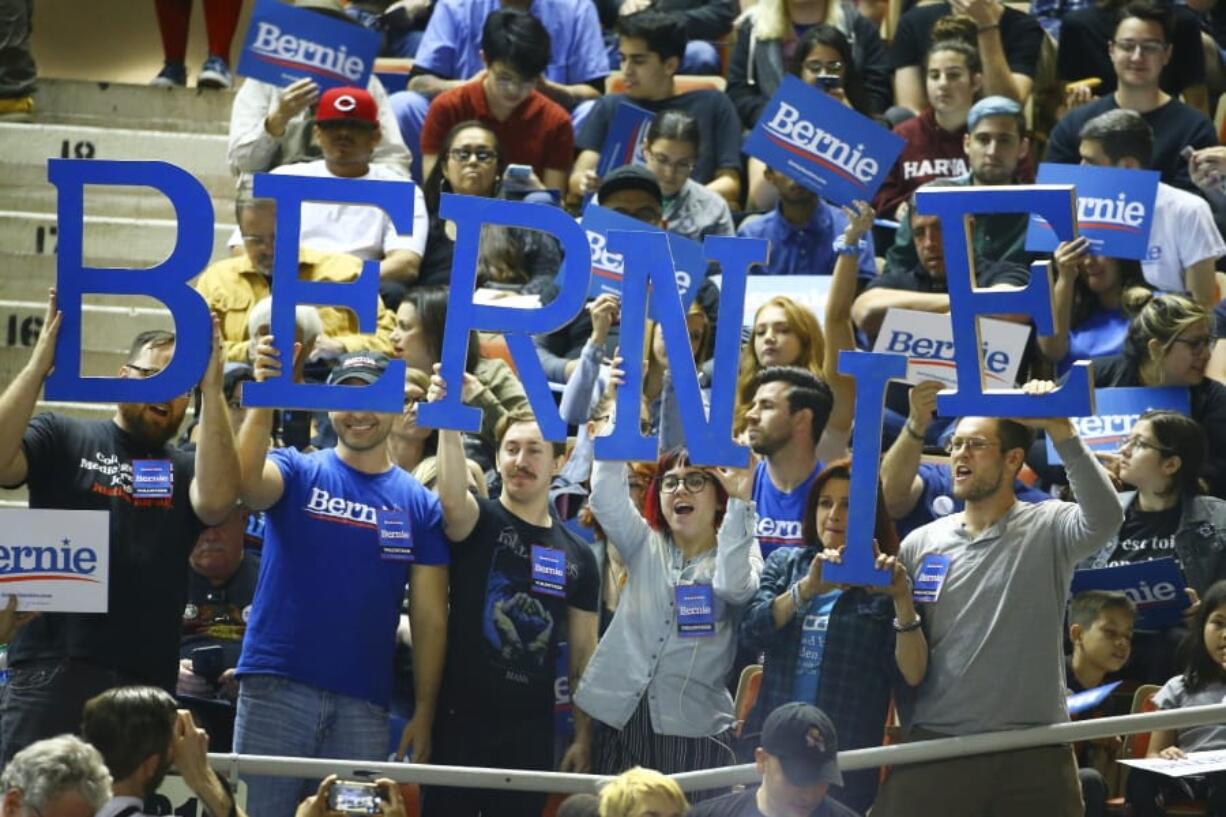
x,y
1146,535
218,615
511,586
80,465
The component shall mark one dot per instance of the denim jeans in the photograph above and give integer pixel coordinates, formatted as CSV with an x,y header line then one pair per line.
x,y
44,698
277,716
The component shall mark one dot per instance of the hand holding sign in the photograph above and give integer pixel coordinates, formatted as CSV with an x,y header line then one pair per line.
x,y
1056,428
1070,259
923,405
860,217
214,375
11,620
605,311
43,358
737,482
267,362
296,98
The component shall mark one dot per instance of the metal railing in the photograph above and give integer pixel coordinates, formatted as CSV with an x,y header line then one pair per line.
x,y
850,760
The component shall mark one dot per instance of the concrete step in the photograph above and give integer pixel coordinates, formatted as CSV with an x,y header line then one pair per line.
x,y
134,106
21,191
140,242
27,277
103,328
94,362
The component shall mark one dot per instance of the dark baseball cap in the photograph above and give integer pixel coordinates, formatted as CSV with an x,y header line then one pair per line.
x,y
364,366
629,177
233,374
804,741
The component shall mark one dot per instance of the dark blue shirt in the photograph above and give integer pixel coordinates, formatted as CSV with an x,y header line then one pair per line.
x,y
805,250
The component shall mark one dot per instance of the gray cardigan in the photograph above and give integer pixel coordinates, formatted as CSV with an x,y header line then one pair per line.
x,y
1200,542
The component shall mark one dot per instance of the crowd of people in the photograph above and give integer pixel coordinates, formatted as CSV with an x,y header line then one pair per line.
x,y
350,583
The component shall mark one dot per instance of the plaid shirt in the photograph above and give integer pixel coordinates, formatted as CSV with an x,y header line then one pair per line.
x,y
858,670
1049,13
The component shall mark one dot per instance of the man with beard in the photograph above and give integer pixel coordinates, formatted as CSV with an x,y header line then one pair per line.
x,y
60,660
521,585
786,419
140,734
342,527
995,145
991,584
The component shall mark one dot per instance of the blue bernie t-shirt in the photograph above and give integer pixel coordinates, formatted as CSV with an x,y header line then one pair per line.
x,y
937,500
780,514
327,603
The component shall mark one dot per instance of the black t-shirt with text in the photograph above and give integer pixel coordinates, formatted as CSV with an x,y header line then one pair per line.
x,y
1020,34
504,629
1083,52
1146,535
745,804
218,615
80,465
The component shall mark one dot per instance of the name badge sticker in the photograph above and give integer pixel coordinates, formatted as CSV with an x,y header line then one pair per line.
x,y
695,611
931,578
548,571
152,478
395,535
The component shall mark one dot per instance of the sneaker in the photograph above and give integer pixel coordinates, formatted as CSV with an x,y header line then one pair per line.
x,y
16,108
172,75
214,74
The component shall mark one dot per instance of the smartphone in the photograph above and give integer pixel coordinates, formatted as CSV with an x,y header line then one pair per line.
x,y
829,83
355,797
518,172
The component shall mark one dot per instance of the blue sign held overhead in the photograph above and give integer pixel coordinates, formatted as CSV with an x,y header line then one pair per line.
x,y
1156,587
285,44
1117,411
1115,209
844,158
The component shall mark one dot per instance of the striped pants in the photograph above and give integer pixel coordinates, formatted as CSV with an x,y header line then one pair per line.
x,y
636,744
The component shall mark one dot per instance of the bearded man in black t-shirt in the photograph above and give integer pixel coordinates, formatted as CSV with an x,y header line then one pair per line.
x,y
60,660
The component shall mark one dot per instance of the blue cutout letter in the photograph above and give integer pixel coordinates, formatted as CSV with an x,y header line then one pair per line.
x,y
1056,204
166,282
470,214
360,296
646,260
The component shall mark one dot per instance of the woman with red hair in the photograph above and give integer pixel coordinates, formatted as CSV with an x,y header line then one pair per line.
x,y
835,646
656,683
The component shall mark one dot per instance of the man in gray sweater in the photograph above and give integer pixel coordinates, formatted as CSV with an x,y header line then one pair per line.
x,y
991,585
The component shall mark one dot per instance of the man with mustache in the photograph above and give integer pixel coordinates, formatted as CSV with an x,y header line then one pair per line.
x,y
521,584
60,660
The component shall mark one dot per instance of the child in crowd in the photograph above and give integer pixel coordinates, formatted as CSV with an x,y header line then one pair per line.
x,y
1100,627
1202,682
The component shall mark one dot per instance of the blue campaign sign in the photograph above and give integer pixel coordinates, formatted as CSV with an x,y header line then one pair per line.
x,y
1088,699
844,158
1115,209
285,44
623,144
1117,411
1156,587
689,261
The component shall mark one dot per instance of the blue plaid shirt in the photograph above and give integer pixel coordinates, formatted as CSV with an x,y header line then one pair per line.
x,y
1049,13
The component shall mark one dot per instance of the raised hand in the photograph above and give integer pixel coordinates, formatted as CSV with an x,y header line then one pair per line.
x,y
859,221
42,360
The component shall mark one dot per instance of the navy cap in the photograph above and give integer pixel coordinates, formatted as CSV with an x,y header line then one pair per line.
x,y
991,106
364,366
804,741
629,177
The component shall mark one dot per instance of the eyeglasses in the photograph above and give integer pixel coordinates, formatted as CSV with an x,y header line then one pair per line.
x,y
1137,442
685,166
1197,345
262,240
484,156
694,482
824,68
1148,48
972,444
511,84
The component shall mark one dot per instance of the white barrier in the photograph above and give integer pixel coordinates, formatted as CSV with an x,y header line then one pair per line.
x,y
850,760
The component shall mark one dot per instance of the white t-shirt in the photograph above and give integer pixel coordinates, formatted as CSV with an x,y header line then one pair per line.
x,y
356,229
1183,234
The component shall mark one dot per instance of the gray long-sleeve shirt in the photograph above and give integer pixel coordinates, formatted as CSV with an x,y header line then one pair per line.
x,y
995,633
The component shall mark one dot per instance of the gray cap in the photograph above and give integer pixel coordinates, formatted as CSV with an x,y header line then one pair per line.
x,y
991,106
364,366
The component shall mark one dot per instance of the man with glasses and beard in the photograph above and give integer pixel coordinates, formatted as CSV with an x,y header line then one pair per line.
x,y
60,660
140,734
991,585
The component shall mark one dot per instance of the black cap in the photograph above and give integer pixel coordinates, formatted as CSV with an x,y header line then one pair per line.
x,y
629,177
365,366
804,741
233,374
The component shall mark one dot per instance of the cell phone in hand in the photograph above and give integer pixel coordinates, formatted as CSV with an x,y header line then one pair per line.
x,y
520,173
355,797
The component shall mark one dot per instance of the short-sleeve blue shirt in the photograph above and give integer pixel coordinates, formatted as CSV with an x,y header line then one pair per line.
x,y
806,250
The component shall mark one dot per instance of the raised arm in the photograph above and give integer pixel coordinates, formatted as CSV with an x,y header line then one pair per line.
x,y
998,78
460,509
260,481
611,505
736,574
1067,262
910,643
213,490
901,484
840,333
19,399
583,178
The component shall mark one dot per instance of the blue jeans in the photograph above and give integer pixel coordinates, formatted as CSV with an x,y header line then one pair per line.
x,y
277,716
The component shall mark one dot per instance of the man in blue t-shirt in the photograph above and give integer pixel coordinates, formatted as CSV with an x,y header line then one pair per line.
x,y
786,419
343,527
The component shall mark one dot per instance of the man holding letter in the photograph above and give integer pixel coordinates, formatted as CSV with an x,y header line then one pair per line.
x,y
158,499
991,584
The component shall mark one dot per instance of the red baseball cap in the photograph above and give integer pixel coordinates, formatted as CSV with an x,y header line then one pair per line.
x,y
347,105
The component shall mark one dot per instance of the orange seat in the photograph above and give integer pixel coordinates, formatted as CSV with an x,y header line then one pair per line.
x,y
411,794
1136,746
747,694
495,346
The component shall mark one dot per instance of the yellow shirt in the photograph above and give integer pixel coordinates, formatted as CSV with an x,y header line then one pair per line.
x,y
233,286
